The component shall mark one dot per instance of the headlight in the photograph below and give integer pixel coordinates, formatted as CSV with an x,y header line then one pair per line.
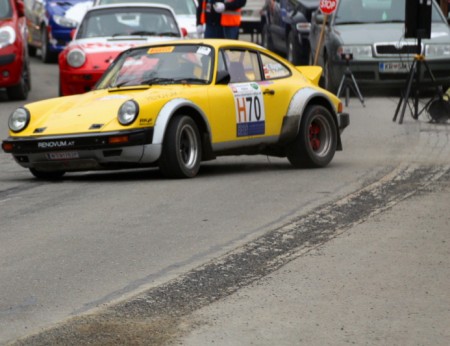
x,y
76,58
359,52
7,36
19,119
303,27
128,112
437,50
64,21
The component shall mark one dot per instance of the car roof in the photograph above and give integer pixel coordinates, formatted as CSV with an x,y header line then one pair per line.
x,y
131,4
215,43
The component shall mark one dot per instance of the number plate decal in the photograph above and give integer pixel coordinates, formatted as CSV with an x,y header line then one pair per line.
x,y
249,108
394,67
63,155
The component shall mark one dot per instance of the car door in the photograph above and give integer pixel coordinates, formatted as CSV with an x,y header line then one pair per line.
x,y
249,109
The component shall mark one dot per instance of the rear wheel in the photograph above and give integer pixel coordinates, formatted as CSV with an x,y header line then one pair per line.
x,y
181,154
316,141
44,175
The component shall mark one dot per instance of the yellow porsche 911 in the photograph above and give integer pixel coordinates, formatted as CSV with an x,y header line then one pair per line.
x,y
175,104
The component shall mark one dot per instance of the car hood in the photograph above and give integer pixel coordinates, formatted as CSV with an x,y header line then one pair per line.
x,y
100,52
386,32
96,111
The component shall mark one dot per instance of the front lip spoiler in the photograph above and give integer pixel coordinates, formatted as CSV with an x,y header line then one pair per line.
x,y
85,141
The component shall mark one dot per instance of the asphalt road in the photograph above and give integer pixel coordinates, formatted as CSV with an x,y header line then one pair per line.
x,y
165,249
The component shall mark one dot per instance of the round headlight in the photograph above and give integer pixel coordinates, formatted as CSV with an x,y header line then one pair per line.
x,y
128,112
19,119
7,36
76,58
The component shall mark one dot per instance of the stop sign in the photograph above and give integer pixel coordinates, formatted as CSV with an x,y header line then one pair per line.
x,y
328,6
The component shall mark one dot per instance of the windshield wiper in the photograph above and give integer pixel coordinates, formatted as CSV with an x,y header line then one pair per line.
x,y
190,80
143,33
158,80
171,33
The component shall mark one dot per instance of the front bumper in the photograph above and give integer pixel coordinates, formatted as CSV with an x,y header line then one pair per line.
x,y
368,73
343,120
119,149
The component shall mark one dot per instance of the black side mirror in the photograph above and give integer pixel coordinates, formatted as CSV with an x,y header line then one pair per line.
x,y
223,77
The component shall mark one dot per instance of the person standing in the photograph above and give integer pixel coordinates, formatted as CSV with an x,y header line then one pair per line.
x,y
219,18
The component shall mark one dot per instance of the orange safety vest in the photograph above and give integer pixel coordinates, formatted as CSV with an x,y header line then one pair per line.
x,y
228,18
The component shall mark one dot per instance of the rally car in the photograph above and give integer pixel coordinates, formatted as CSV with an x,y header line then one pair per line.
x,y
103,33
179,103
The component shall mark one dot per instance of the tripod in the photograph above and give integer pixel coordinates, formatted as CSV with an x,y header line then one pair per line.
x,y
414,73
348,82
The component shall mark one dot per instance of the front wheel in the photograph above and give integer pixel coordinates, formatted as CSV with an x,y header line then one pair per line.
x,y
21,90
316,142
47,56
44,175
181,154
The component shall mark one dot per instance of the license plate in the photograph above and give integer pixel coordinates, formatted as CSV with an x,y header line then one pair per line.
x,y
63,155
394,67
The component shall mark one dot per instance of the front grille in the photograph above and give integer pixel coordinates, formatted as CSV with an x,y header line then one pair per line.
x,y
395,49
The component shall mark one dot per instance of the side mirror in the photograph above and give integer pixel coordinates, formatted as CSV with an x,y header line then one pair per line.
x,y
223,77
20,8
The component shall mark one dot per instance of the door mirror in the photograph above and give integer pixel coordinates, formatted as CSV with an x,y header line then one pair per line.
x,y
223,77
20,8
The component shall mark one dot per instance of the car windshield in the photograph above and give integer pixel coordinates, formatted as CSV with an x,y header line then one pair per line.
x,y
5,9
168,64
178,6
375,11
128,21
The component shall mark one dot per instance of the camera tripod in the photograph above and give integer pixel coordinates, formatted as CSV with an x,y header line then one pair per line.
x,y
348,82
414,73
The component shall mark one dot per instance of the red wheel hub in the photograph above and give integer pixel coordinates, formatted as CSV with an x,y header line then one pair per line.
x,y
314,136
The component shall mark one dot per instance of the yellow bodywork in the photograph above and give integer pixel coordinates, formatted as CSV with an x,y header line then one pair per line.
x,y
96,111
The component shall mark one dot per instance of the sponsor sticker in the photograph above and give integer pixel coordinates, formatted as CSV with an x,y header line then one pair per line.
x,y
157,50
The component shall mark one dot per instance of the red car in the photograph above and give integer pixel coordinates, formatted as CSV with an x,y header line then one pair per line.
x,y
14,61
103,33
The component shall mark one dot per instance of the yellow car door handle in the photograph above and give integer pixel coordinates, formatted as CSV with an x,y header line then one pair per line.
x,y
269,91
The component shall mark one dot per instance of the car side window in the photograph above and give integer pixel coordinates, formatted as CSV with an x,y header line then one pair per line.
x,y
242,65
273,69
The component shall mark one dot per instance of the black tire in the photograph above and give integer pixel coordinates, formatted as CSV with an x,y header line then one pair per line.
x,y
46,55
182,150
316,141
329,82
21,90
32,50
266,38
294,50
43,175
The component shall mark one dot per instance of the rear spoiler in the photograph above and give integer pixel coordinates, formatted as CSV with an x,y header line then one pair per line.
x,y
313,73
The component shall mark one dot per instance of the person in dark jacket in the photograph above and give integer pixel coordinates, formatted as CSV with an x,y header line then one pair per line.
x,y
219,18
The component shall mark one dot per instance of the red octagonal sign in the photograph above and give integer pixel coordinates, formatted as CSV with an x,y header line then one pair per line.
x,y
328,6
